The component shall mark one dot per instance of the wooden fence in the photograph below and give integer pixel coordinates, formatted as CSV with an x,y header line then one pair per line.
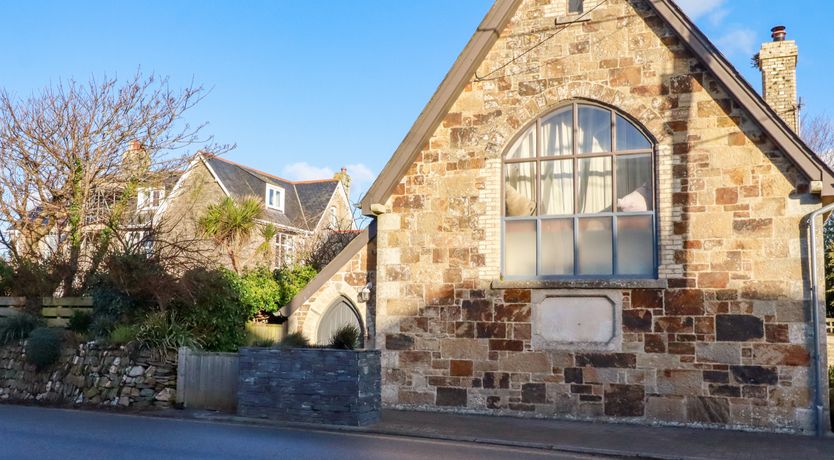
x,y
273,332
55,310
207,380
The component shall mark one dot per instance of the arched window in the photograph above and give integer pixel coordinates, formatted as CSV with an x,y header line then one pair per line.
x,y
579,198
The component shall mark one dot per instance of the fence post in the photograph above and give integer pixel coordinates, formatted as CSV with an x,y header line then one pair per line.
x,y
182,355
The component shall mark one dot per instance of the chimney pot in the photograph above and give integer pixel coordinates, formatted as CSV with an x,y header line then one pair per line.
x,y
135,145
779,33
344,170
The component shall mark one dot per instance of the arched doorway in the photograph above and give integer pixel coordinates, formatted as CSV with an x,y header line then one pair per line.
x,y
342,313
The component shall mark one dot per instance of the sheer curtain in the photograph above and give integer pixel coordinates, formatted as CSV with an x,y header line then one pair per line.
x,y
594,132
557,176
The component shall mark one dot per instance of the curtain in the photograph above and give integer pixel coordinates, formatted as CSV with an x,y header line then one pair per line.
x,y
557,176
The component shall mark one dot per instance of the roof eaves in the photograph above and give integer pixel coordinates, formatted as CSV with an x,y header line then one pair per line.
x,y
784,137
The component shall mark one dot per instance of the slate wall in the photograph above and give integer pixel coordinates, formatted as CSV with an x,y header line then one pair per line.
x,y
310,385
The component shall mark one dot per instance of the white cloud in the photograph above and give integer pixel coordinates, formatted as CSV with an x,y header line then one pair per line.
x,y
738,42
305,171
698,8
717,17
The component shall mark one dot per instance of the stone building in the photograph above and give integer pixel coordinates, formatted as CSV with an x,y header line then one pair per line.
x,y
594,217
304,213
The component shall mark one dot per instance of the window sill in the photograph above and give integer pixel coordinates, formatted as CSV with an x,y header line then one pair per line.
x,y
571,19
580,284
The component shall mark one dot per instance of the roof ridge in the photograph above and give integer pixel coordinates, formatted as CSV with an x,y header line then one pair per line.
x,y
254,171
301,207
487,34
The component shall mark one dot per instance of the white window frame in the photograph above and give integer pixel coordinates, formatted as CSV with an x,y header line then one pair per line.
x,y
280,197
334,218
145,198
284,249
140,239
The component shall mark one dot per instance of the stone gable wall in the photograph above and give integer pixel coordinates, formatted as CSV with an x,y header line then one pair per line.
x,y
726,343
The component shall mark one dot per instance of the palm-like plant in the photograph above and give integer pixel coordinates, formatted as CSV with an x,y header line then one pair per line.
x,y
231,225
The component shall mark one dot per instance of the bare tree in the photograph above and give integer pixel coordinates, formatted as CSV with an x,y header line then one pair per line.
x,y
818,133
72,157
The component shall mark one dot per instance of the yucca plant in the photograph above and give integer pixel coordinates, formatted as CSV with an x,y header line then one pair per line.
x,y
18,327
346,338
231,225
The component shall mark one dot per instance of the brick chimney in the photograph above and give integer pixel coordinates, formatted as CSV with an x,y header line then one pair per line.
x,y
777,61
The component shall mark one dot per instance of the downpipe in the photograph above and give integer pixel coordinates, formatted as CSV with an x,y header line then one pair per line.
x,y
819,409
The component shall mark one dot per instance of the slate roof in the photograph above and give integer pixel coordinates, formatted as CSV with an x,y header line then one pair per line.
x,y
304,202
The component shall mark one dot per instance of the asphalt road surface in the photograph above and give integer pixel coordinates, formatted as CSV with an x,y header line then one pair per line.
x,y
38,433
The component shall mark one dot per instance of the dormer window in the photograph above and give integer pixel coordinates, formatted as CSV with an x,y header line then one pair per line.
x,y
148,199
274,197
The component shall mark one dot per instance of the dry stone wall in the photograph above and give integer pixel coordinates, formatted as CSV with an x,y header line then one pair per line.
x,y
90,374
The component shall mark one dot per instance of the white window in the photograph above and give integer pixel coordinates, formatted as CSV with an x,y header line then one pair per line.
x,y
149,198
334,219
284,249
140,240
274,197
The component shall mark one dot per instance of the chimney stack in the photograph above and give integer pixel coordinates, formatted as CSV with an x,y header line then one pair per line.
x,y
344,178
777,61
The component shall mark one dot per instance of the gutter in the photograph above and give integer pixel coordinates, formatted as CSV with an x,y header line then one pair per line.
x,y
819,375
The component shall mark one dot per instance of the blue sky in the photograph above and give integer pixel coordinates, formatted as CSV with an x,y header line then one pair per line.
x,y
304,88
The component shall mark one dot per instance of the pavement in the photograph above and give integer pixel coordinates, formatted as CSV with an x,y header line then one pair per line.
x,y
28,432
586,438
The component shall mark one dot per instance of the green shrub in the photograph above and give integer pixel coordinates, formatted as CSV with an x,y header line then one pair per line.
x,y
102,326
80,322
257,290
33,279
18,327
294,340
346,338
162,332
123,334
212,308
6,276
128,287
43,348
291,280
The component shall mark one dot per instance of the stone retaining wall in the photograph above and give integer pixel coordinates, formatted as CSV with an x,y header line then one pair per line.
x,y
90,374
310,385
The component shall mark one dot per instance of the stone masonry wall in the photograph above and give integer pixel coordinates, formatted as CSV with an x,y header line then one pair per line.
x,y
310,385
347,282
89,374
725,343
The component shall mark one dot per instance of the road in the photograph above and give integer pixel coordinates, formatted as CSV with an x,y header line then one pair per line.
x,y
40,433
